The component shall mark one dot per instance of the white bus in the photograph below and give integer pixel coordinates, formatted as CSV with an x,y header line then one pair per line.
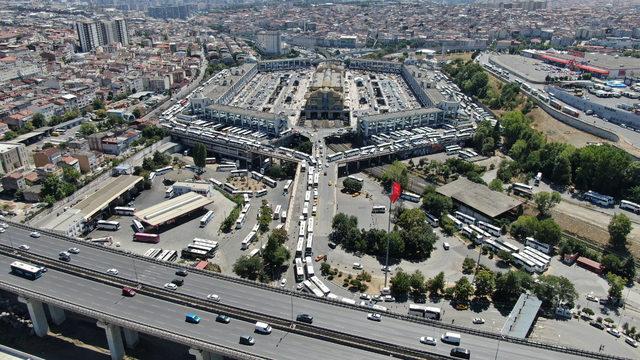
x,y
425,311
215,182
169,192
491,229
226,167
299,270
523,189
465,218
276,212
316,179
245,208
108,225
459,224
287,185
309,248
300,246
138,225
283,216
310,224
533,243
240,221
433,221
152,175
309,266
121,210
320,285
269,181
410,196
360,180
307,195
163,170
379,209
262,192
302,228
631,206
251,237
206,218
305,210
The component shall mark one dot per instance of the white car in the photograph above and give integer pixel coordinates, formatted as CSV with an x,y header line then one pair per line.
x,y
478,321
357,266
590,297
74,250
428,340
365,297
112,271
283,282
300,286
374,317
614,332
170,286
1,230
213,297
35,234
24,247
631,342
4,225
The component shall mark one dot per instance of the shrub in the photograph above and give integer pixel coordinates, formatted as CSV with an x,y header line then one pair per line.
x,y
588,311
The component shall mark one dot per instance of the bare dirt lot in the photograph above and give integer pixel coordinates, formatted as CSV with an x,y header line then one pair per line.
x,y
556,131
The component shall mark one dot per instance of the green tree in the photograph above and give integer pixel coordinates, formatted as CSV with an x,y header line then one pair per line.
x,y
496,185
505,256
555,290
351,185
199,155
468,265
436,285
342,227
435,203
546,200
279,235
510,285
137,113
266,216
619,228
38,120
549,232
98,104
396,172
275,254
462,290
88,128
616,284
611,263
10,135
629,268
417,284
248,267
485,283
400,284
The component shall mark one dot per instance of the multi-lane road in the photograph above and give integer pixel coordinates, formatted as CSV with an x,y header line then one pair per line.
x,y
262,300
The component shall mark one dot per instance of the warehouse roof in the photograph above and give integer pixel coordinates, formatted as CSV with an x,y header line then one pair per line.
x,y
168,210
400,114
479,197
106,194
522,316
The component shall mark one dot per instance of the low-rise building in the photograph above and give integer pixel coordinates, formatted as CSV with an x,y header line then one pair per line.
x,y
183,187
14,181
50,155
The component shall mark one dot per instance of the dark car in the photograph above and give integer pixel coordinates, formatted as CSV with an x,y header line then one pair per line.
x,y
182,272
597,325
127,291
460,353
178,282
332,245
247,340
223,319
305,318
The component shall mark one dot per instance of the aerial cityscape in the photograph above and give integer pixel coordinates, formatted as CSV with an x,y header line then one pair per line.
x,y
257,179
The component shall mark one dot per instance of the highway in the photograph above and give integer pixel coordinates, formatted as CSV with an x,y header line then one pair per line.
x,y
171,317
268,302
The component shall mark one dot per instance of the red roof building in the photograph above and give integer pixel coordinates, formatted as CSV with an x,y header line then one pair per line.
x,y
589,264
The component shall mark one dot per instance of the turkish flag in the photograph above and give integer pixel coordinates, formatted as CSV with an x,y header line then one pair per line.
x,y
396,191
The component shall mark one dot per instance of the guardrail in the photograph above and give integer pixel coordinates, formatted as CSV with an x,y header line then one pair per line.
x,y
428,322
287,325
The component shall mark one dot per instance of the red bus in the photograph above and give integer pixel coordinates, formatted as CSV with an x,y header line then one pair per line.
x,y
148,238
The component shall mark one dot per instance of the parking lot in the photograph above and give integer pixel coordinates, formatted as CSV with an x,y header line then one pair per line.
x,y
373,93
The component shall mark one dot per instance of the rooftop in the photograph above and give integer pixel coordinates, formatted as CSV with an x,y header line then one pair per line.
x,y
397,114
243,112
110,191
168,210
479,197
522,316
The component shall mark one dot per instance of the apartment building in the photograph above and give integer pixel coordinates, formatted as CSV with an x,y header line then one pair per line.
x,y
269,42
92,34
13,157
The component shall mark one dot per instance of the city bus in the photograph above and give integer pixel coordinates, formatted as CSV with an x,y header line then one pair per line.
x,y
27,271
432,220
299,270
146,238
307,195
163,170
169,192
300,246
226,167
251,237
262,192
240,221
309,265
379,209
137,225
287,185
310,224
210,160
465,218
360,180
229,188
152,175
126,211
599,199
410,196
631,206
206,218
108,225
320,285
429,312
312,287
269,181
540,246
523,189
491,229
276,212
316,179
309,248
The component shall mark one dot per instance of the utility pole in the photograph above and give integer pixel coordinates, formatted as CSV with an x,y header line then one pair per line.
x,y
386,263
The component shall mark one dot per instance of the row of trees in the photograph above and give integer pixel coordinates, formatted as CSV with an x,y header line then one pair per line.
x,y
503,288
411,239
269,264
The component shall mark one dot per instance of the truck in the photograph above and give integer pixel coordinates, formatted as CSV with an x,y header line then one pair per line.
x,y
451,338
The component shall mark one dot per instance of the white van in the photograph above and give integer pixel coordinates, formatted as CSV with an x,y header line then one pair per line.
x,y
451,338
385,291
263,328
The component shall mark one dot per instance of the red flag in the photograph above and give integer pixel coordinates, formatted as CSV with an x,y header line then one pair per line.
x,y
396,191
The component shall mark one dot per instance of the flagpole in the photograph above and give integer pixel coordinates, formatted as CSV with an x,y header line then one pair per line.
x,y
386,262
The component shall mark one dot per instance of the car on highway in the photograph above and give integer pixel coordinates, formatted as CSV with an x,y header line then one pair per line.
x,y
24,247
192,318
247,340
112,271
182,272
177,282
374,317
223,319
478,321
170,286
74,250
35,234
128,292
614,332
428,340
460,353
305,318
213,297
64,256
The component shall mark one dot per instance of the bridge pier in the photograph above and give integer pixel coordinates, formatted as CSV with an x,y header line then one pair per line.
x,y
204,355
114,339
131,337
37,315
57,314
